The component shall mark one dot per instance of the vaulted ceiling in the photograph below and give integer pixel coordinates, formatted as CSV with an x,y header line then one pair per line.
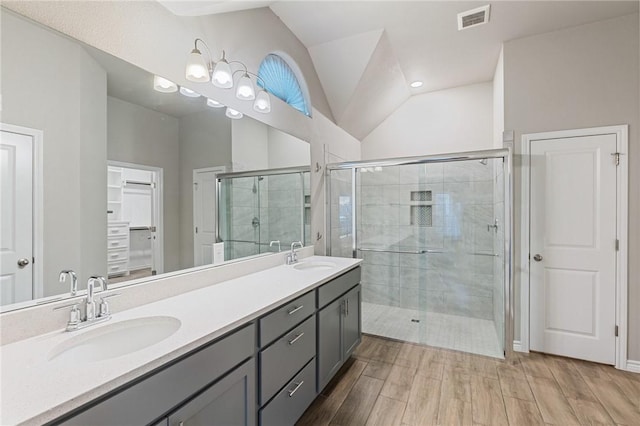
x,y
366,53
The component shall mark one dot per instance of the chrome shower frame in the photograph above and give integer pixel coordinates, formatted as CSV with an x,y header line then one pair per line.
x,y
507,157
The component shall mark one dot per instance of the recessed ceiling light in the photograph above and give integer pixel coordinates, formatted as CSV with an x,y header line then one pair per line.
x,y
232,113
416,84
163,85
189,93
213,103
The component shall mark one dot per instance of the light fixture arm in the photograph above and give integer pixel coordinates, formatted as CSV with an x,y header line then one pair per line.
x,y
210,63
246,71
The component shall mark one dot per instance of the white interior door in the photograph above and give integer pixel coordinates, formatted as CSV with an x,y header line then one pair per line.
x,y
16,217
572,247
204,214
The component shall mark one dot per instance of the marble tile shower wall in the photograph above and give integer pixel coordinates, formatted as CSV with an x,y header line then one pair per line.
x,y
244,206
459,279
284,206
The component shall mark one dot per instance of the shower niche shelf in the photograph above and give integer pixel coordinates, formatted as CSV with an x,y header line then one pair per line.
x,y
421,210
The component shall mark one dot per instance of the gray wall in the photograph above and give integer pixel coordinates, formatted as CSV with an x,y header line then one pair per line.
x,y
585,76
205,141
51,84
141,136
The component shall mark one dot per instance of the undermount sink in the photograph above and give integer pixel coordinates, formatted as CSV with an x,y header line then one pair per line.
x,y
115,339
313,265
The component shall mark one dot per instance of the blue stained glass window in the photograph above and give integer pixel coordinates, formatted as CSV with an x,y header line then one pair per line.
x,y
280,80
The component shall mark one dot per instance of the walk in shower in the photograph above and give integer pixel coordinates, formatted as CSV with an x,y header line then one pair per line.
x,y
434,236
257,207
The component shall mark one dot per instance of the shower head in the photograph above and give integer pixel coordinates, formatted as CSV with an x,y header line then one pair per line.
x,y
484,161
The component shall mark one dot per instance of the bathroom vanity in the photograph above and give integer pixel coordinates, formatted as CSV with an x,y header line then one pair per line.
x,y
251,350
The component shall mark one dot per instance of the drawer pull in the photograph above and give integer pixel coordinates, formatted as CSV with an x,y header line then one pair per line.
x,y
295,339
291,392
294,310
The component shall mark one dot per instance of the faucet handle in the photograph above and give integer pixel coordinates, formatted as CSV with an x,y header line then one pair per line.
x,y
74,314
104,305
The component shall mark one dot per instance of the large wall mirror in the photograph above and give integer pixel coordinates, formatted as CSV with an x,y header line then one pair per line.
x,y
103,175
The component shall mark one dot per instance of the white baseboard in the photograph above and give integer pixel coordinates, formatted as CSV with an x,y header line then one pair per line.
x,y
633,366
517,346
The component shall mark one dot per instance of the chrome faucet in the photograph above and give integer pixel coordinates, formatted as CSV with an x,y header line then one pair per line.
x,y
292,257
92,314
74,280
273,243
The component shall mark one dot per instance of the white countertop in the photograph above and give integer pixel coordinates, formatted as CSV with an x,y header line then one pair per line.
x,y
35,390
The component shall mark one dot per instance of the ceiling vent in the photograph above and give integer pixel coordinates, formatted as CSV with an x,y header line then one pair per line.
x,y
473,17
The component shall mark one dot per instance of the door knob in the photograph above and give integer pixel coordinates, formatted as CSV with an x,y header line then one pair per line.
x,y
537,258
23,262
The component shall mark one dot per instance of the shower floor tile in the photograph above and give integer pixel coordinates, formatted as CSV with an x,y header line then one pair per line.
x,y
465,334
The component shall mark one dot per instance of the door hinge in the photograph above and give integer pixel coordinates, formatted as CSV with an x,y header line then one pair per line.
x,y
616,331
616,156
617,245
153,185
196,229
33,260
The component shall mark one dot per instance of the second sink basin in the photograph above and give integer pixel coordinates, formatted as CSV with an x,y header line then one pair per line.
x,y
314,265
115,339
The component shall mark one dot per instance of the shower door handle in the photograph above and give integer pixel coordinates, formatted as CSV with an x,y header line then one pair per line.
x,y
537,257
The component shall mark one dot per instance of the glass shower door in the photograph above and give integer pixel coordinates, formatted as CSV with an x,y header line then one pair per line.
x,y
240,216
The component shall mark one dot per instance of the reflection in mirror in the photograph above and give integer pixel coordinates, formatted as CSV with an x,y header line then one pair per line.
x,y
260,211
103,175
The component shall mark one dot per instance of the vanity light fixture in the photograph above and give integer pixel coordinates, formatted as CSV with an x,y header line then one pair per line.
x,y
213,103
232,113
245,90
189,93
163,85
221,74
262,103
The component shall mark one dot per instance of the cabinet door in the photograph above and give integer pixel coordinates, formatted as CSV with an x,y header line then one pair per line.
x,y
351,329
329,342
229,402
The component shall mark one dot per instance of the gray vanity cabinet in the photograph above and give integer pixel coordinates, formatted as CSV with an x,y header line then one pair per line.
x,y
267,372
339,324
152,398
229,402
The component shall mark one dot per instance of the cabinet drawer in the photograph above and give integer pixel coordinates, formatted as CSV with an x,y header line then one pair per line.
x,y
337,287
280,361
117,230
117,267
117,255
156,395
118,242
287,407
277,323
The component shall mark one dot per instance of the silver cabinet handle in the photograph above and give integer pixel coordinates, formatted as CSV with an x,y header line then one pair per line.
x,y
347,307
295,339
23,262
294,310
291,392
537,258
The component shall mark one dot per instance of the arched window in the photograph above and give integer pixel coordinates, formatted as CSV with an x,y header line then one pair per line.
x,y
282,81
